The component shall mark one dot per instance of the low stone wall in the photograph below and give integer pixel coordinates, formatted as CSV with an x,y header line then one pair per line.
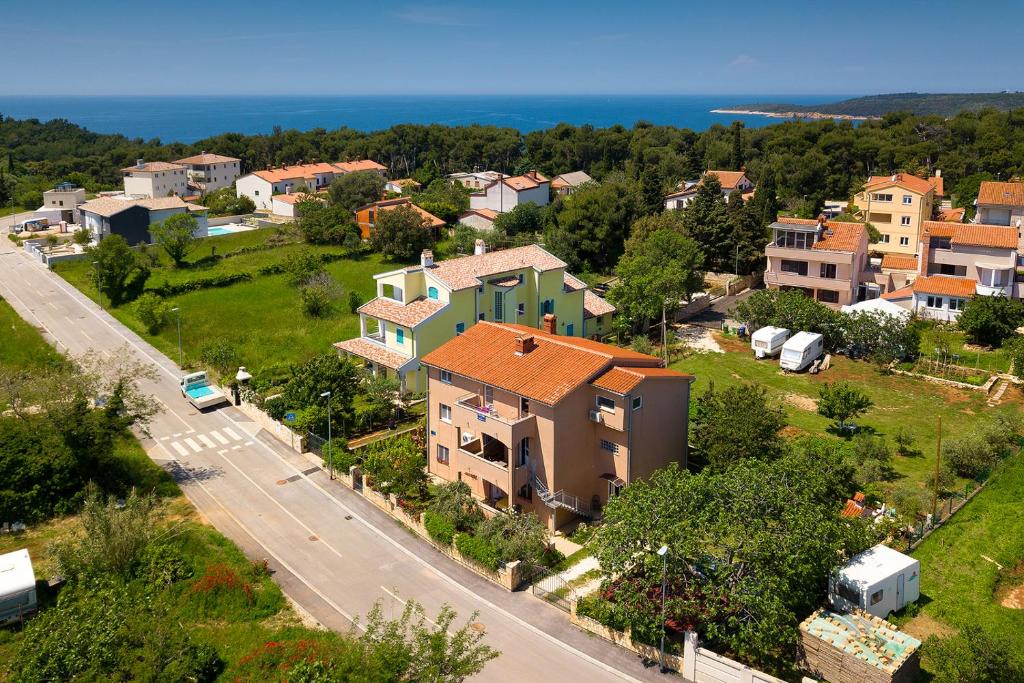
x,y
281,432
226,220
986,387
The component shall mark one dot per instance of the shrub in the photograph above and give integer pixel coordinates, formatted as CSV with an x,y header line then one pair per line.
x,y
453,501
219,354
355,300
989,320
396,466
973,655
439,528
343,459
223,592
478,550
152,311
515,536
642,344
301,265
164,565
319,292
197,283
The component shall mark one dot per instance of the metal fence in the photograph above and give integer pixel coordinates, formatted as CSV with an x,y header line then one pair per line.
x,y
315,444
554,589
945,510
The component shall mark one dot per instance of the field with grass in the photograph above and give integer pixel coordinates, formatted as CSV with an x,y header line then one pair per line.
x,y
262,318
898,402
22,345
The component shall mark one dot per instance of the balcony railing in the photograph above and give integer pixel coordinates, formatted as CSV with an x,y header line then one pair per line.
x,y
494,452
488,412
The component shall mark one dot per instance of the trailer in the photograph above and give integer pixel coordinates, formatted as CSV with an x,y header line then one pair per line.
x,y
197,389
880,580
768,341
800,350
17,587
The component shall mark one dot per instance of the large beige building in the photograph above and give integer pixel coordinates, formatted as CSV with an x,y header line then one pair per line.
x,y
550,424
155,179
897,206
211,172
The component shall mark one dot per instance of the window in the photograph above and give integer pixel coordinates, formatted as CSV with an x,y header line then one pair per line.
x,y
934,302
879,197
523,454
488,395
876,597
950,269
828,270
957,304
256,192
499,306
547,306
884,239
431,291
638,402
848,592
606,404
521,309
796,267
399,335
907,200
446,413
615,488
526,492
442,454
941,242
524,406
904,220
609,446
446,376
460,328
828,296
904,241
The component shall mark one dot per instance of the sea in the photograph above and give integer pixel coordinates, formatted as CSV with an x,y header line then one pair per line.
x,y
191,118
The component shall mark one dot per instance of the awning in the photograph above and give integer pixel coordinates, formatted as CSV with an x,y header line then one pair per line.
x,y
994,266
613,479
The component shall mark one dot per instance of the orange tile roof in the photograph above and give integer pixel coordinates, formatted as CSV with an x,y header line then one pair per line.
x,y
853,509
431,220
489,214
728,179
846,236
945,285
571,283
152,166
952,215
467,271
360,165
552,370
973,234
276,175
905,180
1001,194
903,293
593,305
409,315
899,262
373,352
204,158
622,380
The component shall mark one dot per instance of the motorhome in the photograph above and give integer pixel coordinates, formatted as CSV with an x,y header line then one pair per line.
x,y
768,341
879,580
802,349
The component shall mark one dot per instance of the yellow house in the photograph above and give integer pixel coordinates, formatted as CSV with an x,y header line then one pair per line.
x,y
419,308
898,205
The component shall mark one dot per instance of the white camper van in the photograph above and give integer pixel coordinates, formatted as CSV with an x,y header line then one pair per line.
x,y
17,587
768,341
880,580
802,349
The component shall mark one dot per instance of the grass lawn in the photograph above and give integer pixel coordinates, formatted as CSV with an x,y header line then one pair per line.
x,y
262,318
22,346
898,401
958,584
8,210
993,360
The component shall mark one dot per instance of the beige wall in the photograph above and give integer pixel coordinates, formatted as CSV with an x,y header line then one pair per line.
x,y
848,267
887,217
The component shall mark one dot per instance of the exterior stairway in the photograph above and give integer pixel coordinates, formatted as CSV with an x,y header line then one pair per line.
x,y
560,499
996,396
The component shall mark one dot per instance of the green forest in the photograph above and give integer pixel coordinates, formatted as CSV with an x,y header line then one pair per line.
x,y
939,104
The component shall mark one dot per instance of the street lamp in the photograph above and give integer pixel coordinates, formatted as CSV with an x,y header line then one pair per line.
x,y
663,551
330,450
99,292
177,313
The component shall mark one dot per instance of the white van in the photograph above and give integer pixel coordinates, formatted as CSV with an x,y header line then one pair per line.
x,y
768,341
802,349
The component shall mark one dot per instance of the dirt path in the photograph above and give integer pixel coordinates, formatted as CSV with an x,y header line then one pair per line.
x,y
698,339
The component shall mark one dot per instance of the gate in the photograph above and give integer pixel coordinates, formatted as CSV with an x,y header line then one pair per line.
x,y
553,589
315,444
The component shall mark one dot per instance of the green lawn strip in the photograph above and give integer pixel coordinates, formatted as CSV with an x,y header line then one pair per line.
x,y
958,585
992,360
22,346
898,401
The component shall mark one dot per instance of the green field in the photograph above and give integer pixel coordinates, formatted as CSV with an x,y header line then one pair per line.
x,y
22,345
898,401
262,318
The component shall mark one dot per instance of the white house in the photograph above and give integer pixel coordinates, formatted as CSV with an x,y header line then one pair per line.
x,y
64,198
210,172
880,580
155,179
261,186
479,219
477,180
507,193
567,183
731,181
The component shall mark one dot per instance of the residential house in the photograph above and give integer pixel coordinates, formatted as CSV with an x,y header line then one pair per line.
x,y
155,179
957,261
479,219
402,185
566,183
362,165
131,218
419,308
1002,204
210,172
897,206
507,193
286,205
731,181
366,216
550,424
64,199
261,186
476,180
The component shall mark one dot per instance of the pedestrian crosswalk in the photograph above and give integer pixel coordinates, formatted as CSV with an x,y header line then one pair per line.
x,y
224,439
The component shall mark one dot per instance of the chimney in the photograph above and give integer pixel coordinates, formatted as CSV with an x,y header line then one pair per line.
x,y
479,247
139,163
288,189
203,152
938,173
525,344
550,324
923,252
427,258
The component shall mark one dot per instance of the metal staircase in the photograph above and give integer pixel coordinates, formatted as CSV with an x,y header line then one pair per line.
x,y
560,499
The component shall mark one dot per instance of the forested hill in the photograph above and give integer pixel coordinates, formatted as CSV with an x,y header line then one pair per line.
x,y
922,104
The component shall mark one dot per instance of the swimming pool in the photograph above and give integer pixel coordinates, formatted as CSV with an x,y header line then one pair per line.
x,y
229,229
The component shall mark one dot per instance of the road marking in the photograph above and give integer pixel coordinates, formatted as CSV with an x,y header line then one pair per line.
x,y
178,447
247,443
190,431
164,438
222,452
403,603
217,435
176,434
230,432
206,441
193,445
236,448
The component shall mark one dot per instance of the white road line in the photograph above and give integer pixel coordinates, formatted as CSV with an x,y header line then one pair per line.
x,y
164,438
190,431
247,443
220,437
193,445
403,603
236,448
222,452
230,432
176,434
206,441
178,447
86,335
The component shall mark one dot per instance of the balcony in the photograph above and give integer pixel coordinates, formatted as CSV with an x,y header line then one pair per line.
x,y
995,290
485,412
785,279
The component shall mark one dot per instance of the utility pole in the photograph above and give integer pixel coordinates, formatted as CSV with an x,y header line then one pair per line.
x,y
664,335
99,292
330,449
663,551
177,312
938,458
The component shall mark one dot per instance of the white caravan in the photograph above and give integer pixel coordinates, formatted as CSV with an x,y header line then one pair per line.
x,y
802,349
880,580
768,341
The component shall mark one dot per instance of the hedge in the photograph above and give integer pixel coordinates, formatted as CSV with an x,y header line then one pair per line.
x,y
439,528
197,283
478,550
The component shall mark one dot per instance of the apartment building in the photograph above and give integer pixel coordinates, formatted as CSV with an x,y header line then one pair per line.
x,y
366,216
210,172
261,186
731,181
155,179
550,424
897,206
1002,204
508,193
419,308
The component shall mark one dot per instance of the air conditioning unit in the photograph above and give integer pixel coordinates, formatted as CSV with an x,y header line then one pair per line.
x,y
596,416
467,438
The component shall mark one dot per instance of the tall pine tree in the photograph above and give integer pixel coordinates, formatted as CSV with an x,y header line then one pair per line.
x,y
737,145
707,221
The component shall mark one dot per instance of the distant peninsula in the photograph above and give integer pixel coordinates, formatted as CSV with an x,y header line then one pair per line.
x,y
876,106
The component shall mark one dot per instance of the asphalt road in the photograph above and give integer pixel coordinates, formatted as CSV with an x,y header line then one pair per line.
x,y
333,553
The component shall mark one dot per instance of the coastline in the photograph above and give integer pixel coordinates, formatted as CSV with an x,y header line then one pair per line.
x,y
795,114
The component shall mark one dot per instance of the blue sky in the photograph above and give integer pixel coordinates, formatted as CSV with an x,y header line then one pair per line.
x,y
568,47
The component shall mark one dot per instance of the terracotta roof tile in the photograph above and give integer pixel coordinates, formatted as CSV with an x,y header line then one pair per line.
x,y
110,206
153,166
468,271
360,165
973,234
373,352
409,315
846,236
571,283
574,179
489,214
904,180
903,293
1001,194
204,158
952,215
622,380
728,179
899,262
430,219
944,285
276,175
594,306
553,369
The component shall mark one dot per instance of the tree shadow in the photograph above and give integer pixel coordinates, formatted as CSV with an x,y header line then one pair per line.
x,y
183,474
